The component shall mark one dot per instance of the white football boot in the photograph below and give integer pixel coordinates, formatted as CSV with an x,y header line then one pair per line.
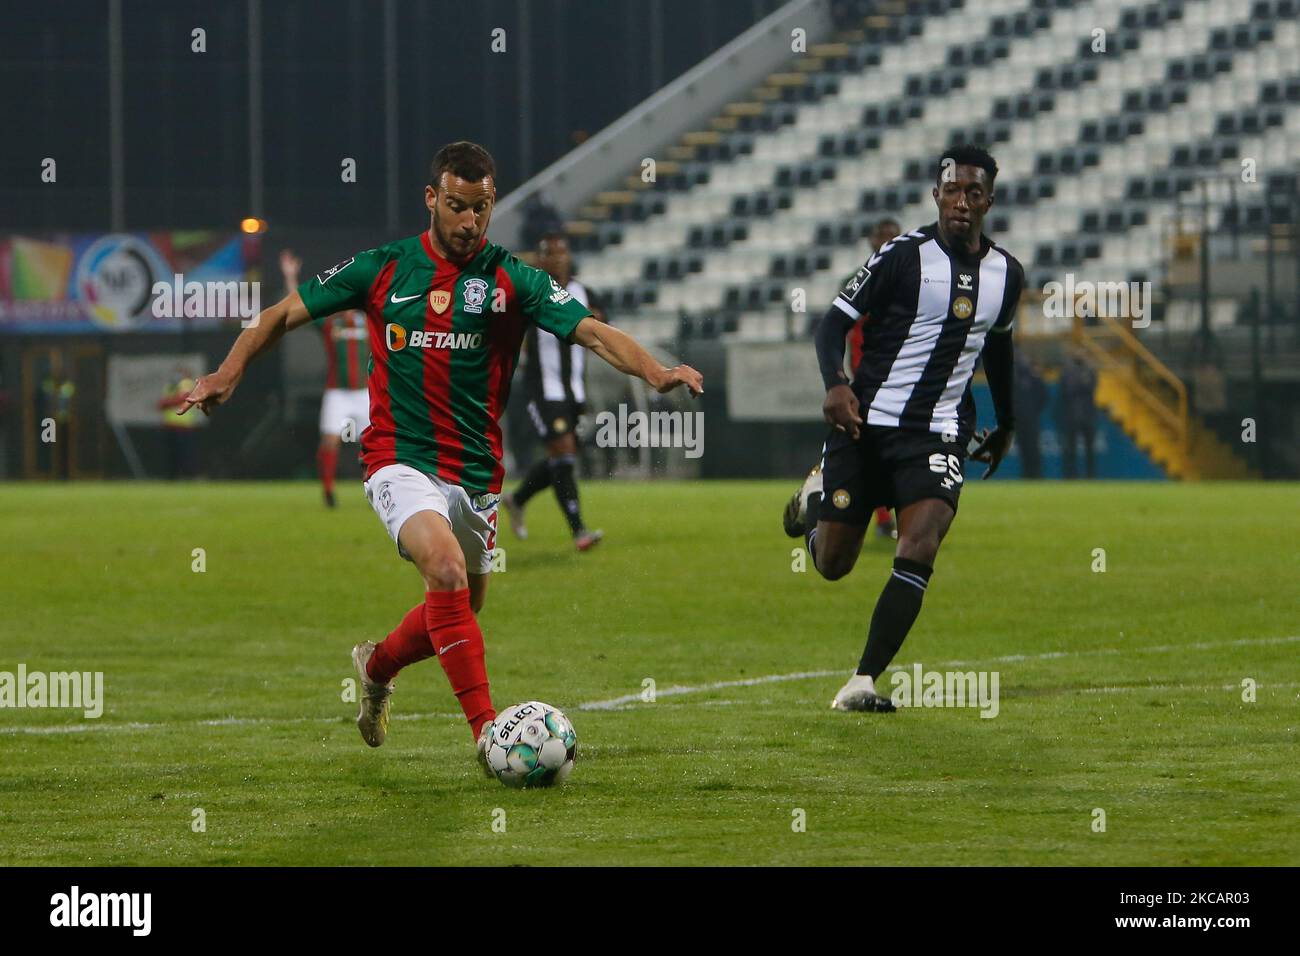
x,y
586,540
372,719
516,514
859,694
795,518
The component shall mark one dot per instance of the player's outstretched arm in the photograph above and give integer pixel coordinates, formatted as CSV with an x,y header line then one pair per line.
x,y
264,331
841,406
999,369
624,353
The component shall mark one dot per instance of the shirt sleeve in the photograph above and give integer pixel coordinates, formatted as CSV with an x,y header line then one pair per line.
x,y
544,302
340,287
1011,300
871,284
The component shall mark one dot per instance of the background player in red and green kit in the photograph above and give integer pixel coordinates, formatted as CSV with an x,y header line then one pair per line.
x,y
446,312
345,406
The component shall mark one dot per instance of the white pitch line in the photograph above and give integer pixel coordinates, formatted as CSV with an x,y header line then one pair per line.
x,y
619,703
1133,688
615,703
213,722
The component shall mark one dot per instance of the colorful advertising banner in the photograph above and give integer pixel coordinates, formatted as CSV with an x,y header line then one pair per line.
x,y
127,282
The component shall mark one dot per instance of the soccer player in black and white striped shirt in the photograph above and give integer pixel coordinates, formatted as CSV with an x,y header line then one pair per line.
x,y
554,377
938,298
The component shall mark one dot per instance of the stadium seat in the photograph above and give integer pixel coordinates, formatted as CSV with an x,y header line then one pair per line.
x,y
1190,84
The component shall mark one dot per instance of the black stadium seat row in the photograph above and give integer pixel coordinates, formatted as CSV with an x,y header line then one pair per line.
x,y
1116,128
1119,43
1243,36
893,197
632,297
717,235
1066,76
762,203
773,117
1026,21
805,174
1274,9
1157,99
849,233
937,84
851,13
850,227
1276,92
868,52
1113,220
911,106
817,87
1250,123
1024,106
671,267
1067,161
758,294
799,264
1080,242
1256,215
642,208
1151,17
1252,213
893,114
853,142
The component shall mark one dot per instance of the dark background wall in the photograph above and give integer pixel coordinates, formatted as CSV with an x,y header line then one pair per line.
x,y
186,127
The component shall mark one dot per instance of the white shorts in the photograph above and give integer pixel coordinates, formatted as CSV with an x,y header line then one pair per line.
x,y
398,491
343,405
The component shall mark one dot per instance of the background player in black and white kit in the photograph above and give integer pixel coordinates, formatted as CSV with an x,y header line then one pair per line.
x,y
553,377
939,298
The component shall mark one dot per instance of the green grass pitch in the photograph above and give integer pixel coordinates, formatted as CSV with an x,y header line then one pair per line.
x,y
1120,690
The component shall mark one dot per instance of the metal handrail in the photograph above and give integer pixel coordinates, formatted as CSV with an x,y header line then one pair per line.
x,y
1175,416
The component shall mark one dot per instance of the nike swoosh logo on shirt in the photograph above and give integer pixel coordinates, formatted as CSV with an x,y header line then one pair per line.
x,y
406,298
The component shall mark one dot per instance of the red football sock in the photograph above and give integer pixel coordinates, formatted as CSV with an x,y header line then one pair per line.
x,y
882,516
327,460
406,645
455,633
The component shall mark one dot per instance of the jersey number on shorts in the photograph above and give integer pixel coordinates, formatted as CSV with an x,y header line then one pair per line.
x,y
949,464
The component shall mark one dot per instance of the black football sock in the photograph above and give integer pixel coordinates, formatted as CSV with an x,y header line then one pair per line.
x,y
895,612
538,477
810,524
566,490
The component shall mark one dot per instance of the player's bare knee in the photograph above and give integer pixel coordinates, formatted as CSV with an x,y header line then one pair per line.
x,y
919,547
835,564
835,571
443,572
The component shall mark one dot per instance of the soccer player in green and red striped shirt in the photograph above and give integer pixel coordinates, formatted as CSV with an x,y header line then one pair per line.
x,y
345,406
446,311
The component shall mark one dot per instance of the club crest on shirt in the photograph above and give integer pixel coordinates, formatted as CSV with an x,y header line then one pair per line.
x,y
962,307
474,294
439,299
